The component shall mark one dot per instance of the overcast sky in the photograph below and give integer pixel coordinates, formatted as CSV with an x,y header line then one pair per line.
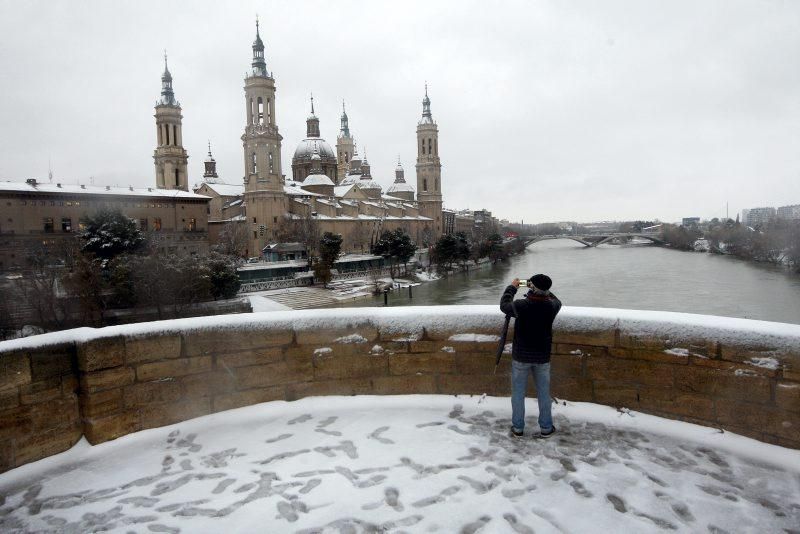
x,y
547,110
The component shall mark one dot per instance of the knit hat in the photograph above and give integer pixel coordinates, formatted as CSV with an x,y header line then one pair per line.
x,y
541,281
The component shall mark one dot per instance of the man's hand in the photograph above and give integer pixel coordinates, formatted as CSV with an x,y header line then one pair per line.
x,y
515,282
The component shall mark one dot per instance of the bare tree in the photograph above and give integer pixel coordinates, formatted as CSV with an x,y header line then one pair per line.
x,y
42,288
232,239
359,236
300,229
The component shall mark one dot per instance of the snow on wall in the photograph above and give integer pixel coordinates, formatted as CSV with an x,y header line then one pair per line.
x,y
777,338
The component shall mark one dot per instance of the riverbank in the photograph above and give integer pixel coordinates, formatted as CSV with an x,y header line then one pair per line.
x,y
637,277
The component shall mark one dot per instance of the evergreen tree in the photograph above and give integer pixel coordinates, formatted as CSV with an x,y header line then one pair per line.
x,y
396,246
109,233
329,247
222,275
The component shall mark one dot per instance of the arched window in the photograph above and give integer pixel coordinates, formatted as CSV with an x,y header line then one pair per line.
x,y
160,137
269,112
260,111
174,135
422,146
271,168
425,184
166,129
429,146
177,178
436,146
253,164
437,185
251,113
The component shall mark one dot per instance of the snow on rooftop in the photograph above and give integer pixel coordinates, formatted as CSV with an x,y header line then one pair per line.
x,y
75,189
227,190
419,463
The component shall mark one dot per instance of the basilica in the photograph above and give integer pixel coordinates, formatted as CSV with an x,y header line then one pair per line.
x,y
333,188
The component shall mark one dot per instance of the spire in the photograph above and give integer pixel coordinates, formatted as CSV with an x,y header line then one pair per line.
x,y
365,170
427,118
259,64
167,95
210,167
399,172
345,129
312,122
316,161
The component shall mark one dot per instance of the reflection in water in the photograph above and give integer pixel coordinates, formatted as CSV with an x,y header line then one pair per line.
x,y
634,277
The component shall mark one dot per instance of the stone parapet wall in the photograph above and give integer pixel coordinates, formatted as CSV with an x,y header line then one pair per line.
x,y
738,375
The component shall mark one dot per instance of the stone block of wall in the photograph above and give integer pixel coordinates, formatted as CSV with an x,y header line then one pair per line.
x,y
39,407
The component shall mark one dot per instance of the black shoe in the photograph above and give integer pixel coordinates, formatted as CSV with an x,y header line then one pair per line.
x,y
545,435
514,433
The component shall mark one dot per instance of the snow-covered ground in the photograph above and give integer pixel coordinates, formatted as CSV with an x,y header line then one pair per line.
x,y
413,464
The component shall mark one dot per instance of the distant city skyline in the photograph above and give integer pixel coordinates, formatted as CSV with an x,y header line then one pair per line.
x,y
548,111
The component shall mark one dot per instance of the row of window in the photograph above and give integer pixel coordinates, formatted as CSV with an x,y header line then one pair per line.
x,y
257,110
92,203
433,146
254,165
164,137
48,223
66,225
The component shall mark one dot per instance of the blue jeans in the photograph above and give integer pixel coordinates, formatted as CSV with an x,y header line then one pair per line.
x,y
519,382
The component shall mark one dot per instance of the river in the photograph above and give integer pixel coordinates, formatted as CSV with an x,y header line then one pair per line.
x,y
640,277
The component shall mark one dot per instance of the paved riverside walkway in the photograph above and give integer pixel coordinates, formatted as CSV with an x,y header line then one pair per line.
x,y
410,464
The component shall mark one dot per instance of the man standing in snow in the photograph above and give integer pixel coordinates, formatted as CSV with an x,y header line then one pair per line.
x,y
533,339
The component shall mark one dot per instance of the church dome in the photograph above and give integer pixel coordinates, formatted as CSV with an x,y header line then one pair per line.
x,y
369,183
317,179
305,149
400,187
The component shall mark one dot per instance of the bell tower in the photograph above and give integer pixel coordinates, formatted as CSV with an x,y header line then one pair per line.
x,y
170,157
429,168
263,181
345,145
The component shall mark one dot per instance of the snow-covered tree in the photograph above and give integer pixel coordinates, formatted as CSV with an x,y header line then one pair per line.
x,y
109,233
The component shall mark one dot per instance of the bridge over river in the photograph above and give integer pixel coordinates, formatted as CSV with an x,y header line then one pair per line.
x,y
592,240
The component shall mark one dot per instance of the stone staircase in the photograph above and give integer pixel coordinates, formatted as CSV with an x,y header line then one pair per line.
x,y
299,298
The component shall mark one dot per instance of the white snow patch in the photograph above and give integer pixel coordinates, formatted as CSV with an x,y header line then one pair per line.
x,y
744,372
376,349
480,338
767,363
406,339
448,349
260,303
677,351
576,352
508,348
352,338
323,350
422,463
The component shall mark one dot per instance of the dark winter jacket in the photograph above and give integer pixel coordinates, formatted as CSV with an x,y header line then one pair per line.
x,y
533,327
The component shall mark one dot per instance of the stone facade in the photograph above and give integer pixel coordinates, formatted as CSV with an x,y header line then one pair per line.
x,y
112,383
37,214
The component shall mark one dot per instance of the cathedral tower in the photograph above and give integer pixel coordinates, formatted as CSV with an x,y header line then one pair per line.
x,y
263,182
344,145
429,169
170,157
